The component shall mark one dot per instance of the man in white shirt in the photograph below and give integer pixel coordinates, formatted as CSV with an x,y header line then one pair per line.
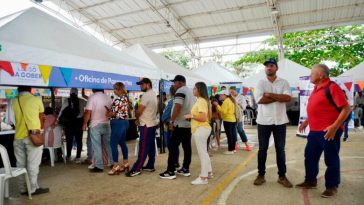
x,y
147,121
272,94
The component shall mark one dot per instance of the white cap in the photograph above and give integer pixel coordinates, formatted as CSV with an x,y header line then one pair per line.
x,y
224,92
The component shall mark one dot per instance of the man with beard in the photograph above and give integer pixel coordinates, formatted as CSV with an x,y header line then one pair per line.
x,y
272,93
147,122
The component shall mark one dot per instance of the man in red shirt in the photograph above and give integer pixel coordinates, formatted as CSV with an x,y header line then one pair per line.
x,y
326,126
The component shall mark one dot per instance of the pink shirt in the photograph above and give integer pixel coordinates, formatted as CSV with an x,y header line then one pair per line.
x,y
96,104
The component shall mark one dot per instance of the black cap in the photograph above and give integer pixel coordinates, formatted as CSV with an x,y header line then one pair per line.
x,y
179,78
270,60
144,80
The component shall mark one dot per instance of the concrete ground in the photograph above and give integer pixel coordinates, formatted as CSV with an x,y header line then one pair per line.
x,y
232,184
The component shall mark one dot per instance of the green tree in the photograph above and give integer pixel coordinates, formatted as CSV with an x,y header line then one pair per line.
x,y
342,45
179,57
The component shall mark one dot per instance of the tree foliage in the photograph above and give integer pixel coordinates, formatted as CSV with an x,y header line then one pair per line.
x,y
179,57
342,45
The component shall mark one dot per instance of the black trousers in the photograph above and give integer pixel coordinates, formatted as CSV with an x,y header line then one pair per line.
x,y
180,135
279,134
74,131
231,134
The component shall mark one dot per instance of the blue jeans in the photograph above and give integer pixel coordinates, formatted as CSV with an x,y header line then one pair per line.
x,y
346,127
118,137
241,132
316,144
100,136
146,148
279,134
230,130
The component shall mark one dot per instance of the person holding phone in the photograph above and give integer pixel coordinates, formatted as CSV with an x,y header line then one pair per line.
x,y
96,111
200,125
119,114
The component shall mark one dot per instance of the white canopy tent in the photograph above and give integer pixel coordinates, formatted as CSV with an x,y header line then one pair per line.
x,y
288,70
216,73
33,36
167,68
357,73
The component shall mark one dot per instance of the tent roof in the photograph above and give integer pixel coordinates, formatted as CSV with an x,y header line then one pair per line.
x,y
288,70
357,73
216,73
170,22
167,67
34,36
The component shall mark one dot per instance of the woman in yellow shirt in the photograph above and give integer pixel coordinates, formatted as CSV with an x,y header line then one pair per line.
x,y
227,110
200,125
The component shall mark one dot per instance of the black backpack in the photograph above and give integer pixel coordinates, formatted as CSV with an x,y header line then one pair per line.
x,y
329,98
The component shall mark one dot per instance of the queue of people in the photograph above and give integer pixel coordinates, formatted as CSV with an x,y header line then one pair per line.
x,y
191,114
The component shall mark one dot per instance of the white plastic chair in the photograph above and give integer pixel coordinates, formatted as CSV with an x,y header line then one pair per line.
x,y
136,152
250,116
57,131
9,172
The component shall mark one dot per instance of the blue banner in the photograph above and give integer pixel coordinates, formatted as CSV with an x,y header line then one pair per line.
x,y
76,78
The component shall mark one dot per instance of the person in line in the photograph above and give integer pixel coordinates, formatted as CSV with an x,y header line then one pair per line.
x,y
200,125
97,106
183,102
73,127
147,122
89,157
227,110
358,113
241,103
119,115
326,127
272,93
215,123
166,118
28,112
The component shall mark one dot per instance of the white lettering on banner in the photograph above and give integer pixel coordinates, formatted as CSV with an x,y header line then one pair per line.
x,y
88,79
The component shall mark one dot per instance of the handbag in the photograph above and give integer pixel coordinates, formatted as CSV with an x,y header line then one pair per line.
x,y
35,136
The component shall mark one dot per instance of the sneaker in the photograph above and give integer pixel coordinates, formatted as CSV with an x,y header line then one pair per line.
x,y
199,181
345,139
78,161
285,182
229,152
210,176
248,148
96,170
184,172
177,166
259,180
307,185
132,173
91,166
167,175
148,169
329,192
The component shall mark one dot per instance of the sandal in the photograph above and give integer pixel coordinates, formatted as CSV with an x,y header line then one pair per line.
x,y
125,168
115,170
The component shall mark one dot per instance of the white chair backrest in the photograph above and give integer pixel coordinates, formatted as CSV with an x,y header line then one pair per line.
x,y
5,158
57,131
250,114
